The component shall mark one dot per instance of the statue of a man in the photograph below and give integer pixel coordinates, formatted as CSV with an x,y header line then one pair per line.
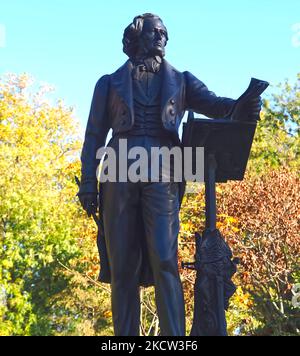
x,y
143,102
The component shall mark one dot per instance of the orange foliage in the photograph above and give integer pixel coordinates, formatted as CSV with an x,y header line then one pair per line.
x,y
259,218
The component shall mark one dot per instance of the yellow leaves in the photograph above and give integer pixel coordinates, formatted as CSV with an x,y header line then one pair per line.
x,y
218,189
219,225
39,152
187,227
228,223
262,115
21,81
228,218
6,326
39,141
243,298
235,229
107,314
7,264
184,200
186,250
231,220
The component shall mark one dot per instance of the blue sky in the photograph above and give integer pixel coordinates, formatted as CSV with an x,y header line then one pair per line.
x,y
71,43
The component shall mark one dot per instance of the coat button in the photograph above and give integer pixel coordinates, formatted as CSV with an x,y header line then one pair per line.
x,y
172,101
173,122
123,122
172,112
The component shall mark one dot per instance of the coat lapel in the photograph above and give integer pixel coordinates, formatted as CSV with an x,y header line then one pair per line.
x,y
121,80
172,81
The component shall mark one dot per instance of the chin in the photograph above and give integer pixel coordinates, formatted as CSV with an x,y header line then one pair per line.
x,y
158,51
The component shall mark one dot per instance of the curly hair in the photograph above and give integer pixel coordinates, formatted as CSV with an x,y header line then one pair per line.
x,y
133,32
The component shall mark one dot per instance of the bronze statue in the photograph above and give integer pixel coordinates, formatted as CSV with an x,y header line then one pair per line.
x,y
143,102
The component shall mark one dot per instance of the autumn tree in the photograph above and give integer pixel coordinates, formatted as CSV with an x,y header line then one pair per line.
x,y
260,219
48,257
277,142
43,231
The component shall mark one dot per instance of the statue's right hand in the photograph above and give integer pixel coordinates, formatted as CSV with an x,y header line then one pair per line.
x,y
89,202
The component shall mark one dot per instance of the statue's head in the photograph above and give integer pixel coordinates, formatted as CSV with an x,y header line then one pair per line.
x,y
145,36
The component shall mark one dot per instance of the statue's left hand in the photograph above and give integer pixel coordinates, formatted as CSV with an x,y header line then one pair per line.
x,y
247,110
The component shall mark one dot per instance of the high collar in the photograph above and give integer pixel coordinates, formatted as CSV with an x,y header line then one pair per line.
x,y
149,64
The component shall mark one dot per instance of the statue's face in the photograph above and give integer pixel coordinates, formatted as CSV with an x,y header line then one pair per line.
x,y
154,37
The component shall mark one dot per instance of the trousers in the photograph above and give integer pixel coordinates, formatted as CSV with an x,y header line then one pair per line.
x,y
157,204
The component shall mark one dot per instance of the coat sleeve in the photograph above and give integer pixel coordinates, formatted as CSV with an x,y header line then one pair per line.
x,y
201,100
95,136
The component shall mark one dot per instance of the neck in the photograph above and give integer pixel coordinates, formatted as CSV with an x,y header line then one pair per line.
x,y
141,58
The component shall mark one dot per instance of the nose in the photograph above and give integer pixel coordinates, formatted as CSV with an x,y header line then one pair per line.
x,y
158,35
